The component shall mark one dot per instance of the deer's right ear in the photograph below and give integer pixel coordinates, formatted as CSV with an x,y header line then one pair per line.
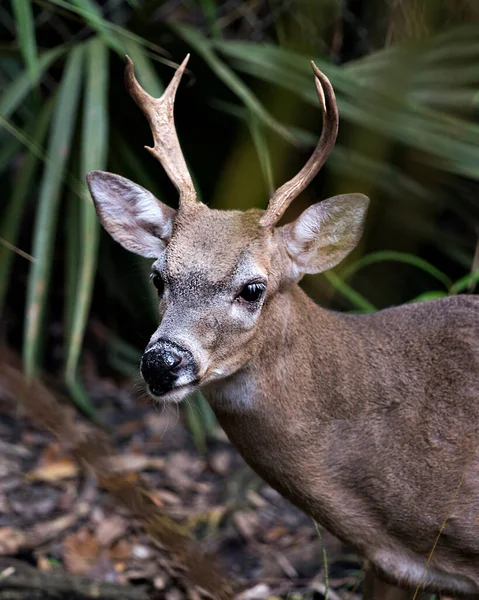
x,y
131,214
324,233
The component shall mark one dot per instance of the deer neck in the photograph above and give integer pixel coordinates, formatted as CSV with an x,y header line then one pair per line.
x,y
297,368
278,410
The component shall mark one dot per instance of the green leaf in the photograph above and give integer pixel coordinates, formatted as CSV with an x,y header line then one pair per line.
x,y
22,188
122,366
207,414
22,11
195,425
13,96
131,163
377,102
211,16
90,11
200,419
257,135
403,257
92,15
261,146
48,205
203,47
82,401
93,156
8,150
432,295
346,161
355,298
72,260
124,350
463,284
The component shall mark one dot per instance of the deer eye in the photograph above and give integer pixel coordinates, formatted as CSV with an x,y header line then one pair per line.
x,y
157,281
252,292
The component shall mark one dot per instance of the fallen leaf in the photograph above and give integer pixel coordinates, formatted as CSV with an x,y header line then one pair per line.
x,y
44,564
11,540
246,523
81,552
285,564
61,468
121,551
258,592
140,551
134,463
145,570
110,529
162,497
50,453
174,594
103,569
193,594
155,498
120,567
160,581
6,573
255,499
182,469
16,450
128,428
323,590
211,517
220,461
276,533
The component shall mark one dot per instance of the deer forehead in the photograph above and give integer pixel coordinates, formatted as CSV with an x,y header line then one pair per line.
x,y
216,248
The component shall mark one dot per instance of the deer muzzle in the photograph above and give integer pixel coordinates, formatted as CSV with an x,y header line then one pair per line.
x,y
167,369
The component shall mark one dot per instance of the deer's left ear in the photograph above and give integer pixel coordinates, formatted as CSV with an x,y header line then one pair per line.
x,y
325,233
131,214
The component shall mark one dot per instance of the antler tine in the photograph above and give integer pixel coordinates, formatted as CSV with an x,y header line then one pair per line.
x,y
283,197
159,112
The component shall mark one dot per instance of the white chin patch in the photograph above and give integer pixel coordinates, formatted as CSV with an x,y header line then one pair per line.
x,y
176,395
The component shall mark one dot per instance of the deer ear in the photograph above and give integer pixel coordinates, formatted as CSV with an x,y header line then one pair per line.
x,y
131,215
325,233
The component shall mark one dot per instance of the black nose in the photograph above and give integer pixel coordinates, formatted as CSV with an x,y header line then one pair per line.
x,y
161,365
170,358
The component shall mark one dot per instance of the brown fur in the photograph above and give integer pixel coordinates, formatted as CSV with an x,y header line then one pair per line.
x,y
366,422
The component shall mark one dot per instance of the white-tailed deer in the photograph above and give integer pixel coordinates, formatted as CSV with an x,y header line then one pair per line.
x,y
368,423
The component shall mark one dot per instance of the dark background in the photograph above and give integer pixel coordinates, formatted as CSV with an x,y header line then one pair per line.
x,y
405,74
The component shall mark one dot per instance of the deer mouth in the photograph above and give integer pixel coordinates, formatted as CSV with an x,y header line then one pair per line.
x,y
175,394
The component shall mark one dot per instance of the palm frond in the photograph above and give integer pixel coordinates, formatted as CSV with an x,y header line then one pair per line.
x,y
64,119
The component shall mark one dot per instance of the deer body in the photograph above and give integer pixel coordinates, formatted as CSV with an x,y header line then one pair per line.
x,y
368,443
368,423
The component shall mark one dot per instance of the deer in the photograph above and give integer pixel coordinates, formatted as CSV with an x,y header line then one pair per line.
x,y
369,423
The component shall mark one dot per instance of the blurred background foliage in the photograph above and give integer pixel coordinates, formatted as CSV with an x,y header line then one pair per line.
x,y
406,74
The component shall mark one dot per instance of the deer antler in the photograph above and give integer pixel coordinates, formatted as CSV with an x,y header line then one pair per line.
x,y
159,112
283,197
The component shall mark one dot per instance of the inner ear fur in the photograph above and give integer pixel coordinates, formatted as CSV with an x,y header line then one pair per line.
x,y
132,215
325,233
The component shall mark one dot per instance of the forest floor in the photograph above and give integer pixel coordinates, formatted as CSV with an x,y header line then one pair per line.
x,y
68,531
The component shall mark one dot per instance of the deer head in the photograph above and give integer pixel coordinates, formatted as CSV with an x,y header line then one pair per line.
x,y
220,275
